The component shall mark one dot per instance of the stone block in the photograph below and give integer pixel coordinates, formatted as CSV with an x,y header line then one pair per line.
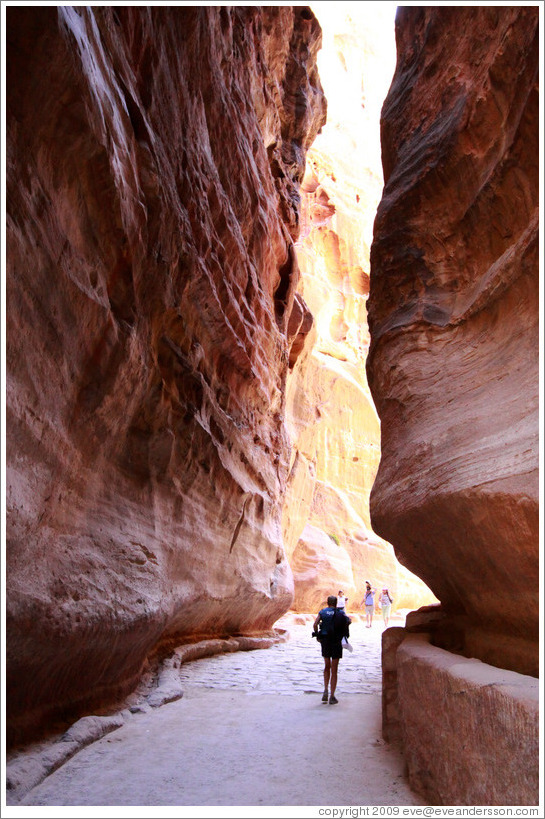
x,y
470,730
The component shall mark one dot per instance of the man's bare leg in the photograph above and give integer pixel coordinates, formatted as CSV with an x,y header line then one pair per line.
x,y
327,671
334,667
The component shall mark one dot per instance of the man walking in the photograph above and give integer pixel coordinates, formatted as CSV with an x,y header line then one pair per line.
x,y
334,625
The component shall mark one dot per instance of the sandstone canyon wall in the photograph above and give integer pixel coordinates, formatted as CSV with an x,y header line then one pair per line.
x,y
332,420
154,157
453,314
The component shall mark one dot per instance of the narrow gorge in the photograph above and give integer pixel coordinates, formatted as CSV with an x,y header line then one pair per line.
x,y
229,393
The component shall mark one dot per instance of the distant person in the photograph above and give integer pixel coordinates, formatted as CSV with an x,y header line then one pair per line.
x,y
341,604
333,623
341,601
369,602
386,604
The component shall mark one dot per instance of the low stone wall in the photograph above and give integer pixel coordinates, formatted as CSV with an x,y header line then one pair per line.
x,y
469,731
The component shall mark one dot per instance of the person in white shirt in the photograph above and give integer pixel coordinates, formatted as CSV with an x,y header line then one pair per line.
x,y
341,604
386,604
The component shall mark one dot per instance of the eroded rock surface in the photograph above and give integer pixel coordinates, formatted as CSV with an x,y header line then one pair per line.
x,y
332,420
154,161
453,312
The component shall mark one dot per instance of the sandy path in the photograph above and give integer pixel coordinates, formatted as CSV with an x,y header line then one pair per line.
x,y
251,730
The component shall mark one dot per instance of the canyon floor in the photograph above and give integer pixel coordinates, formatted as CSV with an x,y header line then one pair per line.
x,y
250,730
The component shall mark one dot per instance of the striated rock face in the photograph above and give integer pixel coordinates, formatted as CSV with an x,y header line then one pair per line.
x,y
154,157
321,567
332,420
453,313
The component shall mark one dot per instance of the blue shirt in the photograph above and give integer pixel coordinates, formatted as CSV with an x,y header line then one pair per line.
x,y
327,619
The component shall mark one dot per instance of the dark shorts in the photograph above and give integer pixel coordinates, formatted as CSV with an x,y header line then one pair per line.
x,y
332,648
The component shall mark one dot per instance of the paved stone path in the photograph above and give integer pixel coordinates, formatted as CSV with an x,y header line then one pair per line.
x,y
250,730
293,667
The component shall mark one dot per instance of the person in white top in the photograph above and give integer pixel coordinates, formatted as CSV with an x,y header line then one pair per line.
x,y
341,604
386,604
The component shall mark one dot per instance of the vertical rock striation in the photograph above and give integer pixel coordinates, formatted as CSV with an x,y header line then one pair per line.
x,y
453,314
154,157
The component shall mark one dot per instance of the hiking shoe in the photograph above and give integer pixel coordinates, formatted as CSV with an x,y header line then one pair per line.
x,y
333,700
324,696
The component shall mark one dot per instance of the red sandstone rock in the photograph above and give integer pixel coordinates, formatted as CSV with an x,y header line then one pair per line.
x,y
154,159
333,424
470,732
453,314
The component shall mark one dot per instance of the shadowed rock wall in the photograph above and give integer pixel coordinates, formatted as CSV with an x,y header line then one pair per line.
x,y
485,748
453,314
154,157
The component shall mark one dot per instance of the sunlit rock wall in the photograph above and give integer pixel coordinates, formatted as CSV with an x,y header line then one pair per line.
x,y
154,157
332,419
453,313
